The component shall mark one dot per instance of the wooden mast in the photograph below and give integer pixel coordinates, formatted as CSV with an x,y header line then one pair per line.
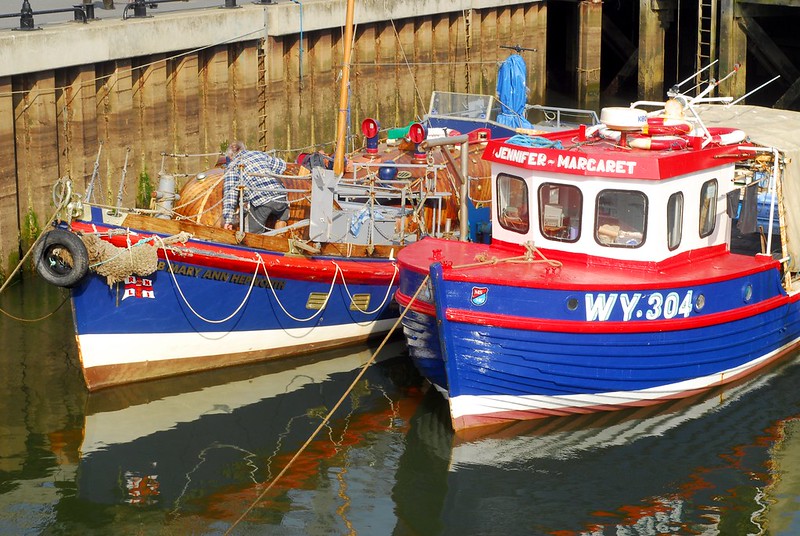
x,y
341,124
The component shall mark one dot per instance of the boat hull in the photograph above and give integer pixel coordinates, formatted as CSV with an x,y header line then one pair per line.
x,y
520,353
212,305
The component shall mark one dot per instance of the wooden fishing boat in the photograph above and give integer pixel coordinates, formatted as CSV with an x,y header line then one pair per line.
x,y
168,291
609,281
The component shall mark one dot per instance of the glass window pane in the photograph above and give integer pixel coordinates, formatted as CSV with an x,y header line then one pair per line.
x,y
708,208
560,212
512,203
621,219
674,220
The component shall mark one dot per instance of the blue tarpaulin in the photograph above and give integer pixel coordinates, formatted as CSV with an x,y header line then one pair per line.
x,y
512,92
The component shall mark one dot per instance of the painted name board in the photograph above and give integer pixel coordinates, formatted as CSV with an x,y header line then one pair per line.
x,y
637,306
545,159
220,275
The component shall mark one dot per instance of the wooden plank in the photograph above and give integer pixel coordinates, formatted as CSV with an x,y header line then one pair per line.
x,y
37,155
150,101
590,29
732,49
387,73
442,68
9,224
114,116
536,38
183,105
489,52
243,86
651,53
215,131
423,55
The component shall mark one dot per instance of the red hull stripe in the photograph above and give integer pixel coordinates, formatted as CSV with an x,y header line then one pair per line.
x,y
419,305
571,326
278,264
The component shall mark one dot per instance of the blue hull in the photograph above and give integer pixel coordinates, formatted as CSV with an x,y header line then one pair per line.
x,y
542,361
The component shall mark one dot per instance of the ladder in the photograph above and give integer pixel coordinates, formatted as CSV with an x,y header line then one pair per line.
x,y
706,37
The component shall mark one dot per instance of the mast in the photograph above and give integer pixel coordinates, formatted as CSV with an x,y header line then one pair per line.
x,y
341,123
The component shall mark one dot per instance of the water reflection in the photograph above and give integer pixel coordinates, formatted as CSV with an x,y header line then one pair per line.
x,y
190,454
698,466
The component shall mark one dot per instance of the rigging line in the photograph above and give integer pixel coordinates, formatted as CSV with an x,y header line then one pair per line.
x,y
410,72
319,311
66,186
101,78
198,315
48,315
328,417
385,298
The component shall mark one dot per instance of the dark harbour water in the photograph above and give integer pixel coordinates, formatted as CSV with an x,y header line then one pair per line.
x,y
191,455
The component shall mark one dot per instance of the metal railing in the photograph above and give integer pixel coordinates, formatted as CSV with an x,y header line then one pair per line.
x,y
132,9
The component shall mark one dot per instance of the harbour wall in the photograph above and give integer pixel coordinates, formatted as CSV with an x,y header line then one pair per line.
x,y
107,98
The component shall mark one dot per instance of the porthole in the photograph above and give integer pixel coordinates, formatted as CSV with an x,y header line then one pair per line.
x,y
699,302
747,294
572,304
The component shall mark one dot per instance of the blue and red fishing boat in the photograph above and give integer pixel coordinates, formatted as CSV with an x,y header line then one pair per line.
x,y
610,281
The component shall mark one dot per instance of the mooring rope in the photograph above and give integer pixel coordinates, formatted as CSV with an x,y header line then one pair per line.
x,y
65,186
198,315
527,258
329,415
385,297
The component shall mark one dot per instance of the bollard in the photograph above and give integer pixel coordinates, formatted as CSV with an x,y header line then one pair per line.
x,y
88,12
26,16
230,3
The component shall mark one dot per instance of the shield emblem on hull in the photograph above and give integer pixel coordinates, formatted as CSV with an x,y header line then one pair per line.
x,y
479,295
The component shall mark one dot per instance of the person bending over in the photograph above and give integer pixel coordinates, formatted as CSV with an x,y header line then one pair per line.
x,y
263,192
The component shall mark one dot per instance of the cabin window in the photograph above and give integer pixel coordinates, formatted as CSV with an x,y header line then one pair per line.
x,y
674,220
621,218
560,212
512,203
708,208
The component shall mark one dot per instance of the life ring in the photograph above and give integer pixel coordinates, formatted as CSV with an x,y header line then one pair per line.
x,y
665,126
657,143
726,136
61,258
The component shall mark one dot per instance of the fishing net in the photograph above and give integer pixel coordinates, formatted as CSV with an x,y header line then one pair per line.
x,y
117,264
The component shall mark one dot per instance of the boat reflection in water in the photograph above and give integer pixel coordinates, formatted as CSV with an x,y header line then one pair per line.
x,y
695,466
204,451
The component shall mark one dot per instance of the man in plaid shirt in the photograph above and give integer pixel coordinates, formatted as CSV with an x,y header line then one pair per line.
x,y
264,193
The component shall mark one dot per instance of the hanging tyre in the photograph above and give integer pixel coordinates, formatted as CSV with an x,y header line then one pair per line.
x,y
61,258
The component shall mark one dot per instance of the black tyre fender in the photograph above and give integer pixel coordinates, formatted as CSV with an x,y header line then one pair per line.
x,y
56,267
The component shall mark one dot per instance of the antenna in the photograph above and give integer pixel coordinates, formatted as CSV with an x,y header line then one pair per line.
x,y
751,92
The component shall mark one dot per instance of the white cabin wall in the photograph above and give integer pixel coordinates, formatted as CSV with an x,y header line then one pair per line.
x,y
654,248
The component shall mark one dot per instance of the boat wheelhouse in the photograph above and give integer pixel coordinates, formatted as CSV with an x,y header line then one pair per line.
x,y
609,281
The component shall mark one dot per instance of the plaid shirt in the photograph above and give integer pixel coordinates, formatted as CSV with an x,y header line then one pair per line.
x,y
258,190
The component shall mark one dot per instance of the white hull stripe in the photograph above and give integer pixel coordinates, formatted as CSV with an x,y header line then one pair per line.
x,y
124,348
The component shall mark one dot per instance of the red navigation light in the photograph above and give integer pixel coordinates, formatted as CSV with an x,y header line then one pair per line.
x,y
417,133
370,128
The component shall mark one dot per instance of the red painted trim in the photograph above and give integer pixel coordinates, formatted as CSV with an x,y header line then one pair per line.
x,y
576,326
604,160
278,265
418,306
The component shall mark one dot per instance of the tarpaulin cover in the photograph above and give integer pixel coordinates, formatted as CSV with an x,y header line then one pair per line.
x,y
512,92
